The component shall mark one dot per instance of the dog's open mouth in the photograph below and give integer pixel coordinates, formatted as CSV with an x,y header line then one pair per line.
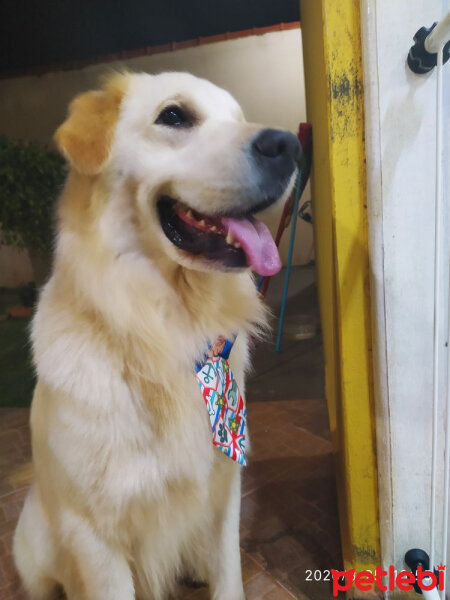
x,y
229,242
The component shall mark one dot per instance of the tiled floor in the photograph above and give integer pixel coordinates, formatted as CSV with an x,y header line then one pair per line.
x,y
289,523
14,454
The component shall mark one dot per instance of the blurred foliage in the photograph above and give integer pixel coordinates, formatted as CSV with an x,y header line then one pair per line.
x,y
17,378
31,179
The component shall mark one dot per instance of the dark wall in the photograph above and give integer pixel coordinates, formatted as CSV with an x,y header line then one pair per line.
x,y
44,32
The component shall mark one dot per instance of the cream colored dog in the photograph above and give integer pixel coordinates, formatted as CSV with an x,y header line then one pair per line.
x,y
155,237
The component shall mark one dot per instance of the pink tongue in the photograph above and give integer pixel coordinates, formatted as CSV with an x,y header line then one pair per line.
x,y
257,243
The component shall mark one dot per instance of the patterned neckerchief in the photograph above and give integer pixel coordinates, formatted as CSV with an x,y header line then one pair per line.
x,y
224,403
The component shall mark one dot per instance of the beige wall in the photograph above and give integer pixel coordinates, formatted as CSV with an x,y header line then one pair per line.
x,y
264,73
15,267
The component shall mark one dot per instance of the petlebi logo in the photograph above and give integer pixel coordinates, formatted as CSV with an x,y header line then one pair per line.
x,y
400,580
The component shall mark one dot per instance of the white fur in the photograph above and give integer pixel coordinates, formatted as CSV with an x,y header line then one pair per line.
x,y
129,491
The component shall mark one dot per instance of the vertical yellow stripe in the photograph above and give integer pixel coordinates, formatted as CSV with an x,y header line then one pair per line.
x,y
334,94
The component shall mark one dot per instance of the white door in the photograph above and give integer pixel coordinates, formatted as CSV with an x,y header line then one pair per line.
x,y
410,350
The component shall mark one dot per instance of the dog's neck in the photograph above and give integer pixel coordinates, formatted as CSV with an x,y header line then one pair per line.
x,y
145,301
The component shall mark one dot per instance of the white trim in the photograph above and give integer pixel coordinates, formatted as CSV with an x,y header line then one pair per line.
x,y
376,258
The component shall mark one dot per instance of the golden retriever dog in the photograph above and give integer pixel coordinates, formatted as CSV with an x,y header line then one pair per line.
x,y
156,243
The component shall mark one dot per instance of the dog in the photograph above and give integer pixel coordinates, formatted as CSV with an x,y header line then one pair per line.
x,y
155,246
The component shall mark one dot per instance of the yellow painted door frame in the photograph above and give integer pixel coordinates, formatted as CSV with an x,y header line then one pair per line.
x,y
331,31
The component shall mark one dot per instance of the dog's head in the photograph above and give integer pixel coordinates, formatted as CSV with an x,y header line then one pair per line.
x,y
198,171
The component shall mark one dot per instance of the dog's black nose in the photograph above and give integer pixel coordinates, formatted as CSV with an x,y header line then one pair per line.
x,y
274,143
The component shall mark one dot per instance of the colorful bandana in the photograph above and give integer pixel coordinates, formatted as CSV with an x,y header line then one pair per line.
x,y
224,403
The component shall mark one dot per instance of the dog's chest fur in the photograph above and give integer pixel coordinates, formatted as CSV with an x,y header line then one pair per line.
x,y
123,424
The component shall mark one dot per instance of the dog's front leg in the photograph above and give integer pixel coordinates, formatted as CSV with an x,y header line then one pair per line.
x,y
94,569
225,574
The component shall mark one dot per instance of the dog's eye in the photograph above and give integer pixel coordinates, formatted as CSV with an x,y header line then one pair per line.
x,y
174,116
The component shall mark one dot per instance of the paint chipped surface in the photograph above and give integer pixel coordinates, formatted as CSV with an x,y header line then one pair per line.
x,y
345,94
365,554
345,87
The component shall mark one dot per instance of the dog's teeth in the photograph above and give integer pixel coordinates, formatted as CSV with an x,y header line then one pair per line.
x,y
202,222
213,228
189,214
229,239
236,245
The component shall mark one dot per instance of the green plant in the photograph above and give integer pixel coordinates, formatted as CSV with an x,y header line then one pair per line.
x,y
31,178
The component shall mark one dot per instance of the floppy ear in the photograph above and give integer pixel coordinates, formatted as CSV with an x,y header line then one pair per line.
x,y
86,137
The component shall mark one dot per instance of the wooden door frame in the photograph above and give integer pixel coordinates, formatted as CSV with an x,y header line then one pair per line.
x,y
331,32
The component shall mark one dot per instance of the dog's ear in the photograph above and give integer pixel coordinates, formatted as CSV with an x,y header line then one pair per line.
x,y
86,137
